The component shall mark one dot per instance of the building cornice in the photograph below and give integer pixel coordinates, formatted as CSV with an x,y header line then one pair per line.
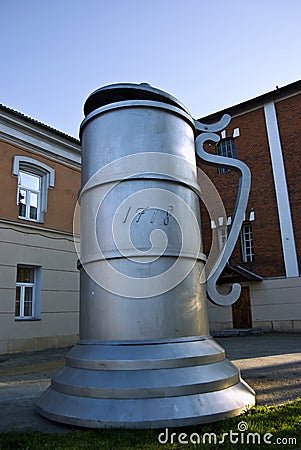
x,y
278,94
39,138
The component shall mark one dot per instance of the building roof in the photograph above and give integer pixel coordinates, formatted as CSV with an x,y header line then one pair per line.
x,y
256,102
28,119
30,134
237,274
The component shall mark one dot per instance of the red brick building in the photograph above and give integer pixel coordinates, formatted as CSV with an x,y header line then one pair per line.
x,y
265,133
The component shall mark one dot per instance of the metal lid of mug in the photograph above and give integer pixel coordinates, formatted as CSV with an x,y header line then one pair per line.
x,y
128,91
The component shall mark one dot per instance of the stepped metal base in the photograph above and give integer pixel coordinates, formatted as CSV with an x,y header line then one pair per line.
x,y
146,385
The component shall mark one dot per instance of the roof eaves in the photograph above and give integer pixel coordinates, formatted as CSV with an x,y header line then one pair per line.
x,y
247,273
276,94
37,122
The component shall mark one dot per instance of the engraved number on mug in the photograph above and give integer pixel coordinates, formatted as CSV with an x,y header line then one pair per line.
x,y
140,215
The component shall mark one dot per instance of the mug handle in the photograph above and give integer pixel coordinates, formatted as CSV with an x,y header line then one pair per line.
x,y
208,134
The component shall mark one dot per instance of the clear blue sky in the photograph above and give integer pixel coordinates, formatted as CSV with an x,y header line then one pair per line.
x,y
210,54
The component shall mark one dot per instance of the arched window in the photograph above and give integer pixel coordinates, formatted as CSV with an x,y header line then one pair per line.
x,y
34,180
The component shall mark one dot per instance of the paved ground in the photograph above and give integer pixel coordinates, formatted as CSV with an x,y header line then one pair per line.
x,y
270,363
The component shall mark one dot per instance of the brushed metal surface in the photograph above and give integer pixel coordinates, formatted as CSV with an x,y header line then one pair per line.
x,y
146,413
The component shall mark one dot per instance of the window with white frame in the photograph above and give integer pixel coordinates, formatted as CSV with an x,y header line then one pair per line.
x,y
247,244
34,180
29,195
28,292
226,147
222,233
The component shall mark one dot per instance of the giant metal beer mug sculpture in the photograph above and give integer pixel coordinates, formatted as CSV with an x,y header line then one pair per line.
x,y
145,357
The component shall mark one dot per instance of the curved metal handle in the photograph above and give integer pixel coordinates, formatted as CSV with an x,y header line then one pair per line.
x,y
239,212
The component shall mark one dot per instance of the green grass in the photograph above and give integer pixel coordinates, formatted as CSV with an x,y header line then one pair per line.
x,y
282,422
